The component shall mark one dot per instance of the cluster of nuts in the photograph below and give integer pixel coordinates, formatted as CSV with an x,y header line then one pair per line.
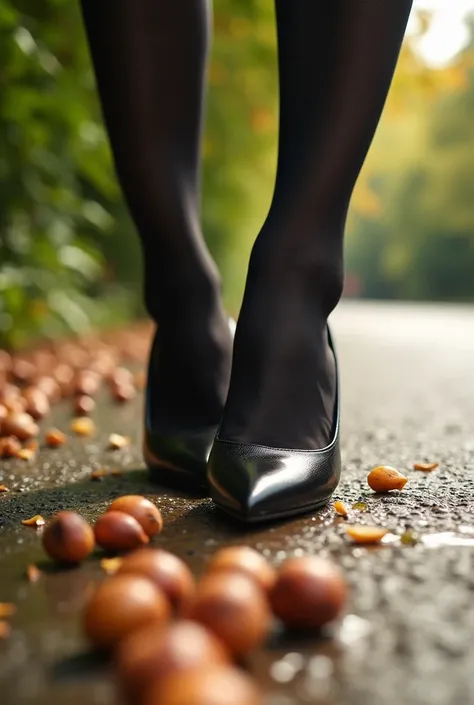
x,y
31,384
218,621
176,641
128,523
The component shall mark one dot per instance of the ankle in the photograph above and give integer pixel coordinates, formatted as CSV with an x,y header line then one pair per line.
x,y
184,297
318,274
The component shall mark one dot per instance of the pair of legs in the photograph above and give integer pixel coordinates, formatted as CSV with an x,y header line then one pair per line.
x,y
336,61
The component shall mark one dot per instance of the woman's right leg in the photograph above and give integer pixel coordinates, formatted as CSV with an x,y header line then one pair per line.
x,y
150,60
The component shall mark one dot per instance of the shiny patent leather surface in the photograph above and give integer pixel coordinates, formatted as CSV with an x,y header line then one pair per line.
x,y
178,457
258,483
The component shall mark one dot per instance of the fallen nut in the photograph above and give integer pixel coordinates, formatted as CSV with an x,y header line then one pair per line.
x,y
219,685
84,405
35,521
243,559
68,538
384,478
25,454
4,489
121,605
21,425
83,426
116,441
340,508
309,592
425,467
55,438
145,512
366,534
9,447
155,651
116,531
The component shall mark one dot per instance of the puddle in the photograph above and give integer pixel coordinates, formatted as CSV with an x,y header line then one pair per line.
x,y
463,537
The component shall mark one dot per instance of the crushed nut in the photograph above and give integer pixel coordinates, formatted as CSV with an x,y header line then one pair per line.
x,y
33,573
340,508
425,467
35,521
7,609
116,441
83,426
4,489
25,454
385,478
366,534
111,565
55,438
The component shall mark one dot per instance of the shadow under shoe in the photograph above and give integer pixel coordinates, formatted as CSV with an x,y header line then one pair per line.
x,y
260,483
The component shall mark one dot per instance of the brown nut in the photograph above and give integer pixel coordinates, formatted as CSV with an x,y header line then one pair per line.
x,y
384,478
233,607
68,538
145,512
55,438
151,653
37,403
214,685
9,447
21,425
244,559
50,387
84,405
124,392
309,593
121,605
164,569
116,532
86,383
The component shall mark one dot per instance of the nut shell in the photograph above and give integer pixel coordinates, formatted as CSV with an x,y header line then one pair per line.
x,y
121,605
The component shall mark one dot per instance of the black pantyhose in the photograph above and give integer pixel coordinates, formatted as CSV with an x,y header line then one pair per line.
x,y
150,60
336,61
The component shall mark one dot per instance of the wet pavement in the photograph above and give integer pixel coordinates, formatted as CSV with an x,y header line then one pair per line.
x,y
406,638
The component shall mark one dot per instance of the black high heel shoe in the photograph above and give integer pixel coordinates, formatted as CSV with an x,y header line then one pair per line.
x,y
179,457
258,483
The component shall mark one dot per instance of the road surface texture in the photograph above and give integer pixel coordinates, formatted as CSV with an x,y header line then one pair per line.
x,y
407,636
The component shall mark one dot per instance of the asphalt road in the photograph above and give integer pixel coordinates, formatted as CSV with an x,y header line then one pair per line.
x,y
407,637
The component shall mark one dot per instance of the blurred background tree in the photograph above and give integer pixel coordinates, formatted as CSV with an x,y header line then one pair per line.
x,y
69,257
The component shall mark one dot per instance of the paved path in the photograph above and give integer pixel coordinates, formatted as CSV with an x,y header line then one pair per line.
x,y
407,639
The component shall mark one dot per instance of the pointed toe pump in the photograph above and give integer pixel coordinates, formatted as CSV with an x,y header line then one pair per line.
x,y
259,483
179,457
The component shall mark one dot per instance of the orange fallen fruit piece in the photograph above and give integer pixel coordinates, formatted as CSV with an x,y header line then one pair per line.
x,y
384,478
340,508
425,467
366,534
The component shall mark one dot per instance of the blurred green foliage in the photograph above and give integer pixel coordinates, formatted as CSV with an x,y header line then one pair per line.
x,y
61,213
69,256
419,244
